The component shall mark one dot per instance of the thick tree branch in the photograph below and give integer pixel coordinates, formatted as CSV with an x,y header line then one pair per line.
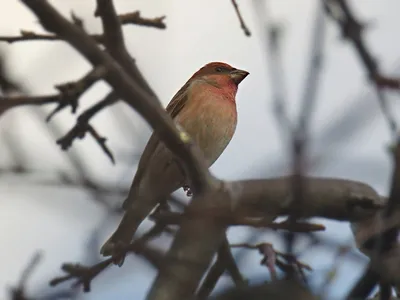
x,y
177,140
272,258
192,250
114,41
234,219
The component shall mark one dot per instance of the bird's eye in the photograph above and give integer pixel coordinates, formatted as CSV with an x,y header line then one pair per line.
x,y
219,69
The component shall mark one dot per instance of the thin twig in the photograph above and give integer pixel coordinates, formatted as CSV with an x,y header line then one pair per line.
x,y
239,15
85,275
82,126
271,257
69,94
352,30
18,293
135,18
27,35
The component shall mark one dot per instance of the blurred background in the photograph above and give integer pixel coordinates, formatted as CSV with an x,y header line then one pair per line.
x,y
65,204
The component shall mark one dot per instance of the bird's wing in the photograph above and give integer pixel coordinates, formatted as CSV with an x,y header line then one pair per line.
x,y
173,109
178,101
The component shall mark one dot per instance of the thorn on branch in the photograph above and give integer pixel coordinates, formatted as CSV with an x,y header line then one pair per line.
x,y
102,143
239,15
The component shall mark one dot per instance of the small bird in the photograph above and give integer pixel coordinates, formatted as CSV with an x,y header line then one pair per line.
x,y
205,107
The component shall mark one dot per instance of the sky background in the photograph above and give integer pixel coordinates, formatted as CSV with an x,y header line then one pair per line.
x,y
59,220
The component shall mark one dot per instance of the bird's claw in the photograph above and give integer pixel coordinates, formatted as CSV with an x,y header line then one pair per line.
x,y
188,191
117,251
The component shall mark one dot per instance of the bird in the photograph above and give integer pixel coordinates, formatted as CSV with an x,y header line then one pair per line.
x,y
205,107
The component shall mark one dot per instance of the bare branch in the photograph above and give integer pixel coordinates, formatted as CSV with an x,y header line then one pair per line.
x,y
69,94
239,15
224,262
386,237
114,41
84,275
135,18
82,126
27,35
352,30
271,257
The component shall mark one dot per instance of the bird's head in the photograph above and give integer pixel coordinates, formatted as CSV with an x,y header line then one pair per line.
x,y
221,74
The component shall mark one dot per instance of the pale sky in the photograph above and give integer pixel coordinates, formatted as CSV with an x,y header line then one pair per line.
x,y
58,221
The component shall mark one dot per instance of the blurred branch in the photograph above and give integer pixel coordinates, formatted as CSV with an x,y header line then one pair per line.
x,y
385,239
18,293
279,289
69,94
239,15
271,257
232,219
277,78
84,275
7,85
97,191
224,262
352,30
300,137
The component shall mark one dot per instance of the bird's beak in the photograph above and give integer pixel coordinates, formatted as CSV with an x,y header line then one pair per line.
x,y
238,75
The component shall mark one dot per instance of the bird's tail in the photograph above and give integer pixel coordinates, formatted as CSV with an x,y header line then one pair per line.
x,y
116,245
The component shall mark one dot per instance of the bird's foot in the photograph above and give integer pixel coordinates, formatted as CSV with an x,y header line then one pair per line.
x,y
188,191
117,250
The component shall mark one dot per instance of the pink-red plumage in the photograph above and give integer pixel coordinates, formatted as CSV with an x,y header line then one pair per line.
x,y
206,108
